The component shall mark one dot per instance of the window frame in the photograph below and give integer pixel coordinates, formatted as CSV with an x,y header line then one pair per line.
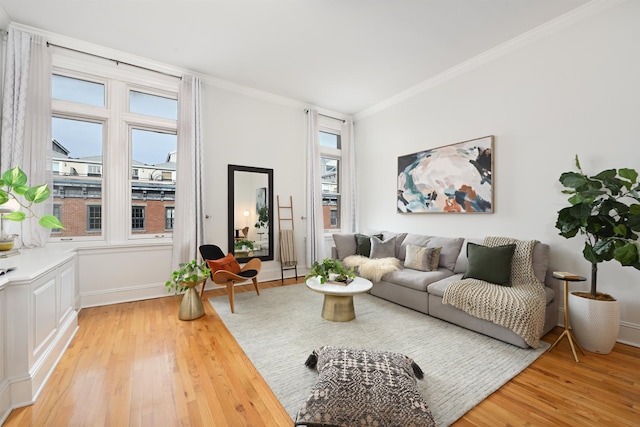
x,y
118,80
333,126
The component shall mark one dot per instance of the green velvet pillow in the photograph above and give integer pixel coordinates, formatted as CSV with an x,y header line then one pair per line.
x,y
363,244
491,264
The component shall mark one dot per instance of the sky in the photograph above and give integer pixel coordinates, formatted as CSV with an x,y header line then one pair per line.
x,y
85,138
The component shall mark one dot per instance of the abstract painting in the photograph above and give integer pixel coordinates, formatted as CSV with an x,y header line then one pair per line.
x,y
456,178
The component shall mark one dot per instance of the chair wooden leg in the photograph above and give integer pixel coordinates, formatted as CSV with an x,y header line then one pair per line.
x,y
202,289
255,285
230,292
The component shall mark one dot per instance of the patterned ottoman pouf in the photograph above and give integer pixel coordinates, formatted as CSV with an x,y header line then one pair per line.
x,y
364,388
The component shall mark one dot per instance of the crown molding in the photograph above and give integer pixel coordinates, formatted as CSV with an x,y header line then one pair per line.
x,y
581,13
140,61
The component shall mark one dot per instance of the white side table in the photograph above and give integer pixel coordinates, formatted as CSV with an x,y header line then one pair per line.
x,y
338,299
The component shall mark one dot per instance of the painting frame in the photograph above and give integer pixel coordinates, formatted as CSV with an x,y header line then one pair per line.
x,y
454,178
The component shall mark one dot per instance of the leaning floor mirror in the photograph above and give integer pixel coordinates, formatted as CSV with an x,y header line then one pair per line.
x,y
250,212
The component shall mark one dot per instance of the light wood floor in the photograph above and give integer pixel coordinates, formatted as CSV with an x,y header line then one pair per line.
x,y
136,364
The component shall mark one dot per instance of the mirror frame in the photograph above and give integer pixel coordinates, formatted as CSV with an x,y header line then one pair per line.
x,y
232,169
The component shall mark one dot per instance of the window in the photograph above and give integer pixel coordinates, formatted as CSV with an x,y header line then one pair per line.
x,y
57,212
94,170
330,162
77,90
94,218
113,129
169,214
137,218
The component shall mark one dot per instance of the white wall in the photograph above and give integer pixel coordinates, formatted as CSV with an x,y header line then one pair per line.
x,y
574,92
250,131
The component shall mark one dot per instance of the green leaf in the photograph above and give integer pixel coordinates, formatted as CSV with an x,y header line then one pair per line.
x,y
50,221
14,177
602,176
572,179
627,254
590,254
37,194
4,197
20,189
629,174
15,216
620,230
576,198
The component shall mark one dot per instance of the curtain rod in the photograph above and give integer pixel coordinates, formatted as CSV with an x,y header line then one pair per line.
x,y
118,62
324,115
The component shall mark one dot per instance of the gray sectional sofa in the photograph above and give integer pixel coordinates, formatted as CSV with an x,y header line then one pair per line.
x,y
423,290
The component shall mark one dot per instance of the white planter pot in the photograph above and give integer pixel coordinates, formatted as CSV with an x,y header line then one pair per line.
x,y
595,324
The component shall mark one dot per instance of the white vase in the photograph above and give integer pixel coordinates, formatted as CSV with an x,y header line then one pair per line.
x,y
595,324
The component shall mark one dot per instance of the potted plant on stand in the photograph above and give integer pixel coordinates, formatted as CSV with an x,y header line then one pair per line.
x,y
186,278
605,209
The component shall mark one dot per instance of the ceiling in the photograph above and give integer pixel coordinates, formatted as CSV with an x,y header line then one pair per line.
x,y
340,55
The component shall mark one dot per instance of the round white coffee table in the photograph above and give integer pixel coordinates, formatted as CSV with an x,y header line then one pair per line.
x,y
338,299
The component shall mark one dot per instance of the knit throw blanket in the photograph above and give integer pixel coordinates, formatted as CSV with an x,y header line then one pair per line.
x,y
520,308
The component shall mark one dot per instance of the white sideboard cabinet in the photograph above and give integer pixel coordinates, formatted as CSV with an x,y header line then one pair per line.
x,y
38,319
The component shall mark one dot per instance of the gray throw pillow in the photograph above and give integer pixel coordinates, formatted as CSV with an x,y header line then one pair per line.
x,y
491,264
380,249
450,249
345,244
422,258
363,244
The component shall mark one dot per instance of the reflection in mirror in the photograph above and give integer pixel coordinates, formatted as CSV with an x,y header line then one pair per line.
x,y
250,212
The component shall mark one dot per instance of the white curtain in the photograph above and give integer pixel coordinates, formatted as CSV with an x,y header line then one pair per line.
x,y
26,124
188,227
348,190
315,219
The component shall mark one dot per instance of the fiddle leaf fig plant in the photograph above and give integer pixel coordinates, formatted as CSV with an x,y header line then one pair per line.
x,y
14,182
263,217
605,209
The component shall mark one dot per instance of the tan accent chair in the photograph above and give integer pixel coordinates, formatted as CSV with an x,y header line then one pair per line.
x,y
223,277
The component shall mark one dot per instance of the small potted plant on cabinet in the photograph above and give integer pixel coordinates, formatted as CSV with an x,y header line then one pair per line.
x,y
185,279
605,209
13,183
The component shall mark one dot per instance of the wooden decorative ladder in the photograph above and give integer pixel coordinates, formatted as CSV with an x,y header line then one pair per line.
x,y
288,257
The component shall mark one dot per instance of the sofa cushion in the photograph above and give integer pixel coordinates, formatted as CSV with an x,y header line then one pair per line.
x,y
490,264
540,260
438,288
383,249
463,262
363,244
345,244
416,279
450,250
422,258
411,239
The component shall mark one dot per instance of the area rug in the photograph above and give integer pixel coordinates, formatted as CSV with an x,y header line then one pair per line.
x,y
279,328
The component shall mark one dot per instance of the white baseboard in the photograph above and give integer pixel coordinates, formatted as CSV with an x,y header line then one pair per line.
x,y
5,401
125,294
158,290
22,391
